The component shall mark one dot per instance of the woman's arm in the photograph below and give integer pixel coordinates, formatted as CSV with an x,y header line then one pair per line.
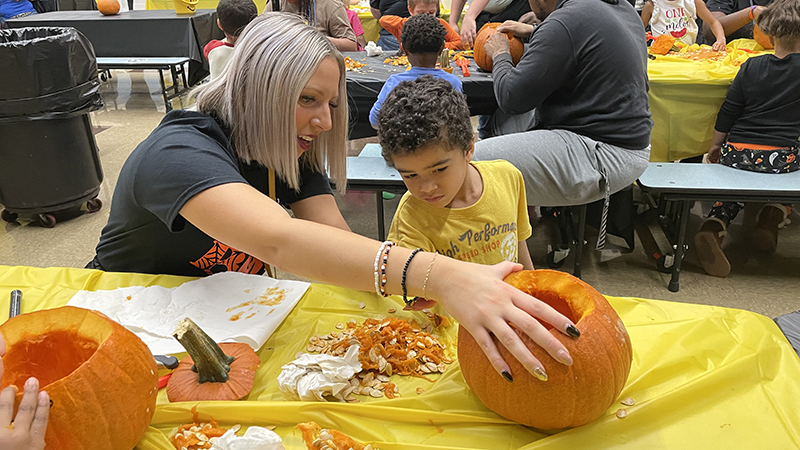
x,y
320,209
731,22
468,26
474,295
456,7
712,22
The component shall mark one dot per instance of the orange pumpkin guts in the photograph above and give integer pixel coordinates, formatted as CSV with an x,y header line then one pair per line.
x,y
108,7
211,371
485,61
101,378
573,395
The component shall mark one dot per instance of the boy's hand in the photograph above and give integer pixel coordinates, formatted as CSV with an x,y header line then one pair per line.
x,y
29,426
518,29
713,154
719,45
496,44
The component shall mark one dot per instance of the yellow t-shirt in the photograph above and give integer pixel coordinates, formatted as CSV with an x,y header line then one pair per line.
x,y
487,232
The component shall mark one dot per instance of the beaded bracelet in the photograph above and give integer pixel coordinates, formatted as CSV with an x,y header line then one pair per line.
x,y
382,289
376,266
405,271
427,275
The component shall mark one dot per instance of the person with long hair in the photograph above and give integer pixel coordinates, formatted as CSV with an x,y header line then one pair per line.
x,y
194,197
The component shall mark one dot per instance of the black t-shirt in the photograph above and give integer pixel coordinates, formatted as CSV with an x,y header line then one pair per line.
x,y
728,7
392,8
186,154
763,103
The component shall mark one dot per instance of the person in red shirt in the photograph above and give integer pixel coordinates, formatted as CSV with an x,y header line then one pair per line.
x,y
394,24
232,17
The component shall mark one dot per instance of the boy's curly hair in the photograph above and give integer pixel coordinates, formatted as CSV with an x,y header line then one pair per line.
x,y
781,20
234,15
423,112
423,33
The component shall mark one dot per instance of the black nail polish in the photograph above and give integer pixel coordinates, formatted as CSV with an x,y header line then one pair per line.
x,y
572,331
508,376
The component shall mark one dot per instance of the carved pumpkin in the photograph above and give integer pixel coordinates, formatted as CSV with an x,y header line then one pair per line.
x,y
101,378
573,395
108,7
483,60
211,371
761,38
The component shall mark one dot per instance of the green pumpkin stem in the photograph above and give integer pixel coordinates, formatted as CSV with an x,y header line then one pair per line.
x,y
210,362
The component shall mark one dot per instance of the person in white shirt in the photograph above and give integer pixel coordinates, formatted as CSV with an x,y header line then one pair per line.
x,y
232,17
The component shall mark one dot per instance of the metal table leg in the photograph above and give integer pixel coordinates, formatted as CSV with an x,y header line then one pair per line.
x,y
676,268
164,90
576,268
379,204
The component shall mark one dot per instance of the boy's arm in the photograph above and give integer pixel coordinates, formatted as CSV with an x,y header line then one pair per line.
x,y
452,40
647,12
376,108
710,20
392,24
525,256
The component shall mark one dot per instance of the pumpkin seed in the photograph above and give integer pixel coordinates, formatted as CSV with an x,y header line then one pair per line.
x,y
420,390
622,413
392,310
628,401
362,305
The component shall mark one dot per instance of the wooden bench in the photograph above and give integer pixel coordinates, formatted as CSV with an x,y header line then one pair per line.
x,y
174,65
685,183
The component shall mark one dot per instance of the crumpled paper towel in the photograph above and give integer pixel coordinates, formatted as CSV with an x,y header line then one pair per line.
x,y
372,49
228,306
255,438
311,377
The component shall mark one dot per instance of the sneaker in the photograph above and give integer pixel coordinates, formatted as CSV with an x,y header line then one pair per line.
x,y
708,242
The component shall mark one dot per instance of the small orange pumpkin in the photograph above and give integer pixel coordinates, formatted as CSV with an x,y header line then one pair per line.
x,y
573,395
211,371
485,61
108,7
101,378
761,38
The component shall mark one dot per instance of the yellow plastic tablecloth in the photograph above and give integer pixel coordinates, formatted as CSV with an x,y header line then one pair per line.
x,y
685,97
700,375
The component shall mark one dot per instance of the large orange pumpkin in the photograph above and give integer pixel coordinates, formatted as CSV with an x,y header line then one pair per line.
x,y
573,395
485,61
761,38
108,7
101,378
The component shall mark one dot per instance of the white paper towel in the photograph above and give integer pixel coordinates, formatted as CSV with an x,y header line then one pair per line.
x,y
312,377
255,438
228,306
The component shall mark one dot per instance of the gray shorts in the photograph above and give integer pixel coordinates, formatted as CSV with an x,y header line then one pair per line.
x,y
562,168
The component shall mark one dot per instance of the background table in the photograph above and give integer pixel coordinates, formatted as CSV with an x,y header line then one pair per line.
x,y
139,33
364,85
700,376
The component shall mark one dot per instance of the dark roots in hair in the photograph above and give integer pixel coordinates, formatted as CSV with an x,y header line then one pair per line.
x,y
781,20
423,33
423,112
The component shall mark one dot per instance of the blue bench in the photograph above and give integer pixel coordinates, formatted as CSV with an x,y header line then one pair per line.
x,y
174,65
685,183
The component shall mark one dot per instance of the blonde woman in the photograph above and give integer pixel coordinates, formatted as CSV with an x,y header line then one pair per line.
x,y
192,199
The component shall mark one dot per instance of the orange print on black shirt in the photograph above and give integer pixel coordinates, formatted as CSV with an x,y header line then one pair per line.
x,y
221,258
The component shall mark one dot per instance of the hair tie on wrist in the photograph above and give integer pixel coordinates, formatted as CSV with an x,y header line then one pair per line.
x,y
752,8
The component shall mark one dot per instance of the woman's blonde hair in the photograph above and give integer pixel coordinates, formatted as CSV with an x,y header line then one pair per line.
x,y
257,94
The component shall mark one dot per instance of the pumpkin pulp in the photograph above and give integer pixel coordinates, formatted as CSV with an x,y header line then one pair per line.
x,y
49,357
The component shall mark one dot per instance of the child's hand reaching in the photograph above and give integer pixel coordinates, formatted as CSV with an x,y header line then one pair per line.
x,y
713,154
29,426
719,45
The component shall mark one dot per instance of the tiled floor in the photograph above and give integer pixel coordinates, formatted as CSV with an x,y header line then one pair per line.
x,y
767,284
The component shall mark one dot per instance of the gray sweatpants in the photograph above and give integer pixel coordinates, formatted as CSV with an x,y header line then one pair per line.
x,y
562,168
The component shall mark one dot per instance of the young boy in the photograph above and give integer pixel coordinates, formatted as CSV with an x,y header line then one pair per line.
x,y
394,24
757,129
422,41
232,17
472,211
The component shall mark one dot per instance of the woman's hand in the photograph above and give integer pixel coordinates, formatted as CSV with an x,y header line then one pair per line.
x,y
480,301
496,44
468,31
518,29
30,424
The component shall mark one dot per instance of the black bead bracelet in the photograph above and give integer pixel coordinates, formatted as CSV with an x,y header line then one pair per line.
x,y
405,271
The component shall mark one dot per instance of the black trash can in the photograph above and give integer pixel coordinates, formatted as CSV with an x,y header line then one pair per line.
x,y
48,155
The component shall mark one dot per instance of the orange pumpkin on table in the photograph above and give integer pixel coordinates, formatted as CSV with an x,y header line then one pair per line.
x,y
485,61
573,395
101,378
108,7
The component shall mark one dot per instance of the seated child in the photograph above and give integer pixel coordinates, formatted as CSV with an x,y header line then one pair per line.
x,y
757,129
678,18
422,41
232,17
394,24
14,9
355,24
471,211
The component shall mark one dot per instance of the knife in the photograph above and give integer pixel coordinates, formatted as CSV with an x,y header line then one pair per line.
x,y
170,362
15,304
